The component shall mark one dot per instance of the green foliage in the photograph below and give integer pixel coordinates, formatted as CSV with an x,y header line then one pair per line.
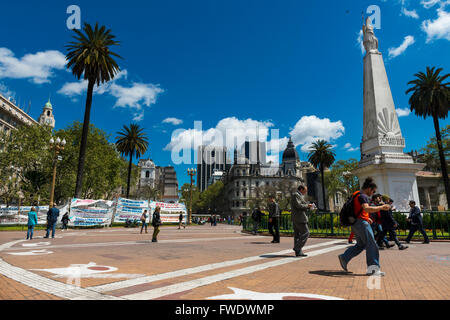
x,y
186,196
340,177
26,164
431,151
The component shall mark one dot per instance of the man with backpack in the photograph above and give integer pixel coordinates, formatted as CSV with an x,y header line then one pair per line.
x,y
358,218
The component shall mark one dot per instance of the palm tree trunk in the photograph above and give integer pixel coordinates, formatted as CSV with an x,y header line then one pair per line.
x,y
323,188
129,175
442,158
84,136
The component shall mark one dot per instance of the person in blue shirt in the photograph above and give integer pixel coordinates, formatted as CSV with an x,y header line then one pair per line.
x,y
32,221
52,218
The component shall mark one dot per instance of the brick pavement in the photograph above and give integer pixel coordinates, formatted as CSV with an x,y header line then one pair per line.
x,y
204,261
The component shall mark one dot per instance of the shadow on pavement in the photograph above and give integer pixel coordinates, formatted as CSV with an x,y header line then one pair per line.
x,y
277,256
334,273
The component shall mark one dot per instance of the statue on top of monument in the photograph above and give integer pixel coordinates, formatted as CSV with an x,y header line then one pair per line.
x,y
370,41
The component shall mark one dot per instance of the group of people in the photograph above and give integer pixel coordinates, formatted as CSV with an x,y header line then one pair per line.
x,y
374,221
52,218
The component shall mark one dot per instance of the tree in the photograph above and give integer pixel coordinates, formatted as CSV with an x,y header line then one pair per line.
x,y
131,141
341,179
430,153
149,193
105,171
431,97
90,57
25,162
321,156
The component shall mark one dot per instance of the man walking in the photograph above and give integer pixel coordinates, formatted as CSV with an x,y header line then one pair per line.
x,y
362,230
415,219
257,217
299,219
274,220
52,217
180,219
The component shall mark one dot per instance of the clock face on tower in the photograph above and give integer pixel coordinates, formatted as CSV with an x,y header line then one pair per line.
x,y
48,121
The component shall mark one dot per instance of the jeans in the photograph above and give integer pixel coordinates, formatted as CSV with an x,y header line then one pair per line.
x,y
379,230
64,226
30,232
144,225
392,235
413,229
52,226
364,241
274,229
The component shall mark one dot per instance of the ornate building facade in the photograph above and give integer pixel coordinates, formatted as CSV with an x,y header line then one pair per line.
x,y
246,180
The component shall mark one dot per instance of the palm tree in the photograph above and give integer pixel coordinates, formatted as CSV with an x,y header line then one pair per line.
x,y
131,141
321,156
90,57
431,97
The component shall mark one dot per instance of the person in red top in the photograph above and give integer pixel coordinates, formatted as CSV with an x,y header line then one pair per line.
x,y
363,232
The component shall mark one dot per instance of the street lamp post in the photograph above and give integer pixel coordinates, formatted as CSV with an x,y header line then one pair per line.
x,y
347,175
191,172
57,146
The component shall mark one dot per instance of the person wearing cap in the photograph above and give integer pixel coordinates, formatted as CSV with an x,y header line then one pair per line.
x,y
415,218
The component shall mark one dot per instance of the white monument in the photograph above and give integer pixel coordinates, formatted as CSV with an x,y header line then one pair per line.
x,y
382,156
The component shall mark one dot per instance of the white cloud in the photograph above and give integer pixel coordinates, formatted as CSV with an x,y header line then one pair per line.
x,y
173,121
403,112
135,96
348,147
229,132
394,52
360,40
6,92
311,128
410,13
438,28
38,66
427,4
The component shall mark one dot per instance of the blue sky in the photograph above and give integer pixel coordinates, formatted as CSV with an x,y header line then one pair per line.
x,y
290,65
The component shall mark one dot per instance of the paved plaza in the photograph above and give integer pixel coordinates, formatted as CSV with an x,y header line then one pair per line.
x,y
204,262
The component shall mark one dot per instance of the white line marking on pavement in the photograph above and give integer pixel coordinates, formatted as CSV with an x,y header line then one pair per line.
x,y
188,271
147,242
189,285
53,287
31,253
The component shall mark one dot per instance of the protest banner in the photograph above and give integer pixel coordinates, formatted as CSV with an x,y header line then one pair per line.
x,y
85,212
130,210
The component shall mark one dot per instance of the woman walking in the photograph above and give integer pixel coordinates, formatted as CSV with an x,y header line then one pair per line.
x,y
144,221
32,221
156,222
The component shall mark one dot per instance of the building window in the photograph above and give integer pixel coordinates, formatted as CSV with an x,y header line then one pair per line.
x,y
147,174
244,193
244,183
237,204
244,203
237,183
213,154
257,183
48,113
237,193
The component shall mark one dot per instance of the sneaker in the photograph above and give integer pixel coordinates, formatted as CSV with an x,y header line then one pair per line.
x,y
154,240
375,273
350,241
402,247
343,263
300,254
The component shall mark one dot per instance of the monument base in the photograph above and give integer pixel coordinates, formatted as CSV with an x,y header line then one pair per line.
x,y
397,180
